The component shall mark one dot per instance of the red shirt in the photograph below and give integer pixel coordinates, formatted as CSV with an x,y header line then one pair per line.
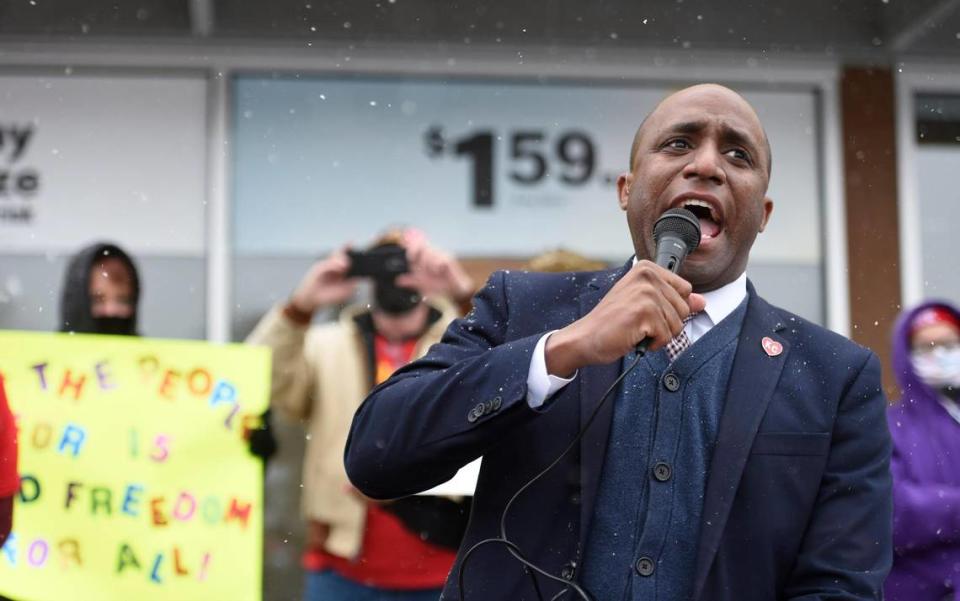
x,y
391,557
9,480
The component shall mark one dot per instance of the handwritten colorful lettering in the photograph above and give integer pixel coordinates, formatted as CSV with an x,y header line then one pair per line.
x,y
136,481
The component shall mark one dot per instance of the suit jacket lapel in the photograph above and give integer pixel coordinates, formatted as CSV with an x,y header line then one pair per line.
x,y
594,381
753,378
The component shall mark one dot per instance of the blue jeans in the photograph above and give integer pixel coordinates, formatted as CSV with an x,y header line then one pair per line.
x,y
327,585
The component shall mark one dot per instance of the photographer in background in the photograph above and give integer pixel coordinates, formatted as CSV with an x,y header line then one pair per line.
x,y
357,549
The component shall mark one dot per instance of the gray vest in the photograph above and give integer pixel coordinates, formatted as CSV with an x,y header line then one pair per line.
x,y
643,538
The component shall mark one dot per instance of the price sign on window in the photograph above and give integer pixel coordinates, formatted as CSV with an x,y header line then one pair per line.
x,y
484,167
533,156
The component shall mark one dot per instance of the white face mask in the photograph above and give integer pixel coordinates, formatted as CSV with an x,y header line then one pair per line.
x,y
938,367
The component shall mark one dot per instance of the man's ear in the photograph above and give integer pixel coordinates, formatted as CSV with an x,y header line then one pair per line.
x,y
624,182
767,211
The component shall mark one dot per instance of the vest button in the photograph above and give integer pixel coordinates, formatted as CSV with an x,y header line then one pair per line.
x,y
662,471
569,570
671,382
645,566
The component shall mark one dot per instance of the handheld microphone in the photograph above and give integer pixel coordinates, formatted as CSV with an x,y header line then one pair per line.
x,y
677,234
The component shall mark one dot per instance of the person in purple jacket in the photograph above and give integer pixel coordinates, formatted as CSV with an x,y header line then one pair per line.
x,y
925,426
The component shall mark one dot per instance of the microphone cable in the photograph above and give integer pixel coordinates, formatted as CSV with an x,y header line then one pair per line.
x,y
531,568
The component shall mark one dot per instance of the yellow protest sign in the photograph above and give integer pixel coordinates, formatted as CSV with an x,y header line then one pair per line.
x,y
136,480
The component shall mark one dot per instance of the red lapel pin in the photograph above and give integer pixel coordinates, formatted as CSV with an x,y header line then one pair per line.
x,y
771,346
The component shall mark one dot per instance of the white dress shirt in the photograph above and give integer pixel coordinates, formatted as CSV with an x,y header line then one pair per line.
x,y
720,303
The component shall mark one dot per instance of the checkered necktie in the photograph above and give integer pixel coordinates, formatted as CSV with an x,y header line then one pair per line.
x,y
681,341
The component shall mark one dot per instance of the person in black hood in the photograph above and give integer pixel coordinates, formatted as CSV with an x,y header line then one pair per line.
x,y
100,293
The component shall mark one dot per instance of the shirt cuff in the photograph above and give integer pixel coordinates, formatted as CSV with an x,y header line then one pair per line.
x,y
540,384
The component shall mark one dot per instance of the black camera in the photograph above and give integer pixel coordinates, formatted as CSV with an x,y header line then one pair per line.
x,y
382,262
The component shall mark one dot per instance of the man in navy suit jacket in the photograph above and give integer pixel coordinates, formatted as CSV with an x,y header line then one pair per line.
x,y
753,465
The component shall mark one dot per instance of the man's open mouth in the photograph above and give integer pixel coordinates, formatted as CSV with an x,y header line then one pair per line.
x,y
710,222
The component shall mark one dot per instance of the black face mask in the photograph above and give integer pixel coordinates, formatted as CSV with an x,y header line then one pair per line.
x,y
117,326
393,299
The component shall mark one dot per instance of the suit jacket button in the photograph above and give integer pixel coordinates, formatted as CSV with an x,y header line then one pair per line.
x,y
476,412
662,471
645,566
569,570
671,382
497,402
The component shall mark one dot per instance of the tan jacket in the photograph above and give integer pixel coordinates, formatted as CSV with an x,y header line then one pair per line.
x,y
321,375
